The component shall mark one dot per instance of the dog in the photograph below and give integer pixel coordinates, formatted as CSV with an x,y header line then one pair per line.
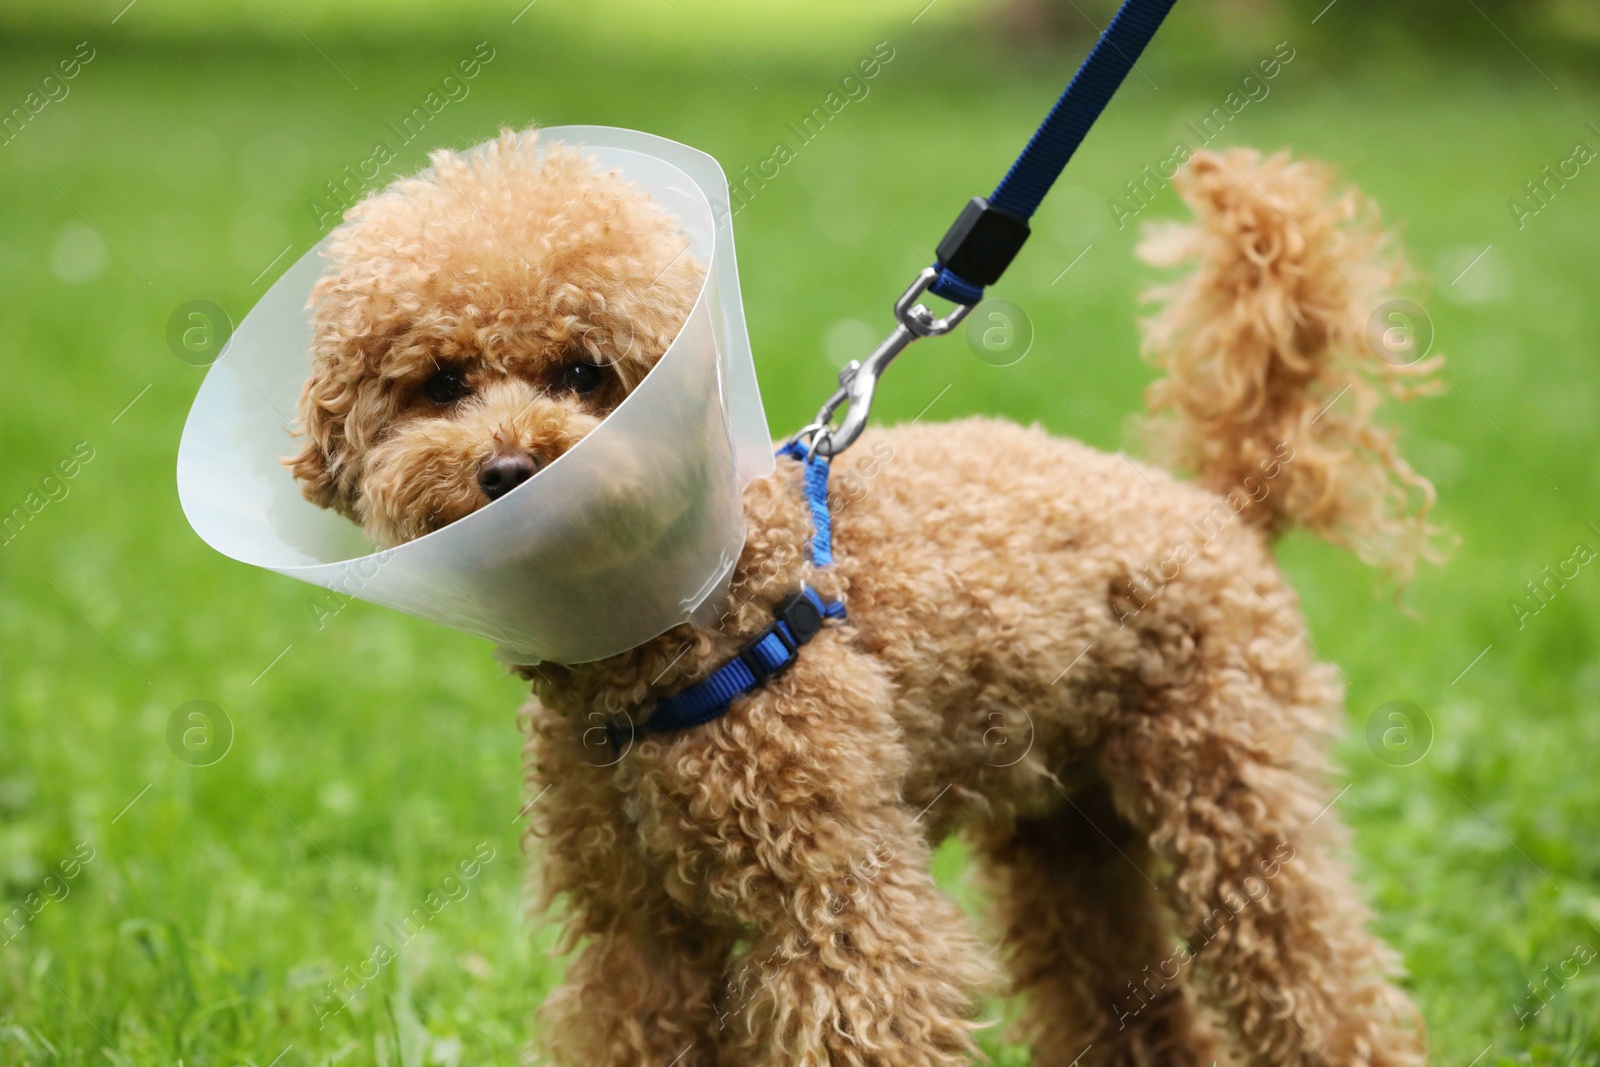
x,y
1089,669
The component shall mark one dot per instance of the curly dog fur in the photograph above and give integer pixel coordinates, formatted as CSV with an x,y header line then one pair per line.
x,y
1092,670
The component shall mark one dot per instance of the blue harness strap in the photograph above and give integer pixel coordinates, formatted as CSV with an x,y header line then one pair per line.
x,y
989,233
816,475
796,621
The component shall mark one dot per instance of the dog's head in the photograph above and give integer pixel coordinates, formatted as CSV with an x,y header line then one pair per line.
x,y
475,322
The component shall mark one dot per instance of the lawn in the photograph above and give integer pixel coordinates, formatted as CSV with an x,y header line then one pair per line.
x,y
197,913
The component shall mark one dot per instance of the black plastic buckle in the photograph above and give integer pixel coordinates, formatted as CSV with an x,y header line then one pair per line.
x,y
982,242
747,655
800,622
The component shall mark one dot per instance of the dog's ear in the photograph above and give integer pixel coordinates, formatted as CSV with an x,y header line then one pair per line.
x,y
313,470
317,467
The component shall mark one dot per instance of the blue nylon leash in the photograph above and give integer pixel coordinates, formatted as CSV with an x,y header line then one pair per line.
x,y
989,233
795,622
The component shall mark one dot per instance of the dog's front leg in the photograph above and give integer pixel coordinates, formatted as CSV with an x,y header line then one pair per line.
x,y
785,816
640,989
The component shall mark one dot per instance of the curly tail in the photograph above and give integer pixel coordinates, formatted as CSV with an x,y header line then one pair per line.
x,y
1284,314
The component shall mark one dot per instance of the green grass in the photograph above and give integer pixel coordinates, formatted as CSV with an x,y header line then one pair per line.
x,y
373,754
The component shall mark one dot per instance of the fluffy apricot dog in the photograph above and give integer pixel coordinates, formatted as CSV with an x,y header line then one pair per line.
x,y
1090,669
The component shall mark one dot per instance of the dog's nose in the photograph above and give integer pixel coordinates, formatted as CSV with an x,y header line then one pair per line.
x,y
504,471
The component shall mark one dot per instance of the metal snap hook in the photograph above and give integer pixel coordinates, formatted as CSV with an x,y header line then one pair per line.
x,y
858,381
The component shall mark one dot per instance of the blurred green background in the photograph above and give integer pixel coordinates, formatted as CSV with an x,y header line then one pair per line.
x,y
195,914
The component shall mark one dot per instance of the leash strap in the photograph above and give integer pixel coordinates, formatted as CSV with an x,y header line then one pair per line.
x,y
795,622
987,235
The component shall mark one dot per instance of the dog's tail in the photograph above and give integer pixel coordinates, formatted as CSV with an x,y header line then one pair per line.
x,y
1289,310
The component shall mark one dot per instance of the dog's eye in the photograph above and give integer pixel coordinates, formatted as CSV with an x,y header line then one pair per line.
x,y
445,387
580,378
